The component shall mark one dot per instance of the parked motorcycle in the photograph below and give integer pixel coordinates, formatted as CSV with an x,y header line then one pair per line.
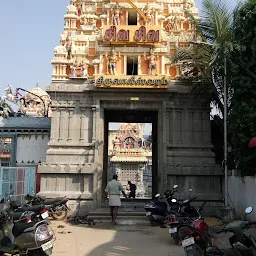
x,y
241,244
22,236
56,207
190,223
158,210
39,211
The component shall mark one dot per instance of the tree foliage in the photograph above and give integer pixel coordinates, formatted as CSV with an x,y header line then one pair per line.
x,y
214,29
242,118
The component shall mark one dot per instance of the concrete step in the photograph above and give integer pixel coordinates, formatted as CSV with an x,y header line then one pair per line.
x,y
125,215
120,213
129,204
100,217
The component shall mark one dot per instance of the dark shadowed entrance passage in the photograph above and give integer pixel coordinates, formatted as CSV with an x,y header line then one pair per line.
x,y
132,117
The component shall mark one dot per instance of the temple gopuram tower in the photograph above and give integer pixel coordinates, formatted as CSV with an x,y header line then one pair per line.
x,y
113,65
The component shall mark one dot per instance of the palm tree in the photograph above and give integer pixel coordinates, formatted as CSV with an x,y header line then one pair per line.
x,y
215,29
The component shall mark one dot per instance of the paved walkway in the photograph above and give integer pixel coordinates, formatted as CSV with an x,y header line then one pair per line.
x,y
105,239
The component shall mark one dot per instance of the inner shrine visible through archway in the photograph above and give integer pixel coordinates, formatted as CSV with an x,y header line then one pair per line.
x,y
131,150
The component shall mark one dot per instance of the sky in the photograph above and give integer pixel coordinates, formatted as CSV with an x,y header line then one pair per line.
x,y
30,30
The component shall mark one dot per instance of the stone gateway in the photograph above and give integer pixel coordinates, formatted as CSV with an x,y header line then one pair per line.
x,y
82,106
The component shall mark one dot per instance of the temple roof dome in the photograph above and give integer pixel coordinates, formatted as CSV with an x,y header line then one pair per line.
x,y
60,49
71,9
37,91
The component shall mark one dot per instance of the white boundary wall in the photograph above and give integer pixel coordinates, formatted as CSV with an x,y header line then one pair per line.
x,y
242,193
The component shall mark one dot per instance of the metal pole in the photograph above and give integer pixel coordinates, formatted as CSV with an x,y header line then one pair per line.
x,y
225,131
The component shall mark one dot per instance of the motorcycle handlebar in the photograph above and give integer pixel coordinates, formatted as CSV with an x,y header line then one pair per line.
x,y
251,223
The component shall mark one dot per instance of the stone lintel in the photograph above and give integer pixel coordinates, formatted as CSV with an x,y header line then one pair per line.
x,y
69,194
76,145
178,86
66,168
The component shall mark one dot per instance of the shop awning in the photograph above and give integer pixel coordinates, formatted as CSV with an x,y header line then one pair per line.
x,y
137,159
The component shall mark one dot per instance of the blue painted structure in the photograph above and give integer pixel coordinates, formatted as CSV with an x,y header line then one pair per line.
x,y
18,182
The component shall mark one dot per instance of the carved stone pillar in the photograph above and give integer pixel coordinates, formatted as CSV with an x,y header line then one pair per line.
x,y
177,70
96,69
156,18
54,69
168,69
82,129
70,122
125,64
94,124
163,65
102,22
57,71
61,122
64,70
139,65
101,64
108,19
53,124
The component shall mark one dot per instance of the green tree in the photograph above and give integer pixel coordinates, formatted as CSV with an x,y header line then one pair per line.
x,y
242,119
215,29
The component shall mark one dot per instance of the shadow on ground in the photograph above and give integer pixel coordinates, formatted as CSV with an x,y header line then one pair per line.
x,y
131,240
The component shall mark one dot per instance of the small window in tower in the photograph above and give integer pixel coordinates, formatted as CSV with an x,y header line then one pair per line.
x,y
132,18
132,65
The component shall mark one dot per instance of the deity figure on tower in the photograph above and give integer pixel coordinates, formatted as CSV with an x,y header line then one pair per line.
x,y
112,59
149,13
174,22
79,69
152,58
116,11
68,45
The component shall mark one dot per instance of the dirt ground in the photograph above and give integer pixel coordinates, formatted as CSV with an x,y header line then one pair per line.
x,y
106,239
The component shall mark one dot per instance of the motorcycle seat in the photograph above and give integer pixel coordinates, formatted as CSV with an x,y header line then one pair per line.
x,y
34,208
236,226
53,200
161,204
17,216
181,214
19,227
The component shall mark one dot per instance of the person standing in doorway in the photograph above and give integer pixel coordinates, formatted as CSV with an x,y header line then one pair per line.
x,y
113,190
132,188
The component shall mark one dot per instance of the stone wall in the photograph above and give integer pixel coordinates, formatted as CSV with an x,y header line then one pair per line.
x,y
31,148
74,162
242,192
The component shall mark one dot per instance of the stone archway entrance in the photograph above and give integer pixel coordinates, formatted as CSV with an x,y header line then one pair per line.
x,y
76,163
132,116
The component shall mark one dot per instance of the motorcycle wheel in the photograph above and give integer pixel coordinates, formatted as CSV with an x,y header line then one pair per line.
x,y
59,214
153,222
196,252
